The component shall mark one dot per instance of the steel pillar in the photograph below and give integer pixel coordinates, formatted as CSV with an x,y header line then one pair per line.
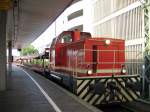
x,y
146,77
3,17
10,56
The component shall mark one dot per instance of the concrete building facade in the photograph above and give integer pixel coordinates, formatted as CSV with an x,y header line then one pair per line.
x,y
120,19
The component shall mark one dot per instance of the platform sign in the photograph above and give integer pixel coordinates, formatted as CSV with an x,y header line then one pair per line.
x,y
5,4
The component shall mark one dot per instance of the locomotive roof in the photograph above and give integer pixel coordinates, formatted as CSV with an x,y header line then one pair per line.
x,y
88,37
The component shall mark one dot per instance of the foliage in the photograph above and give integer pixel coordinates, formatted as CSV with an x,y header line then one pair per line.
x,y
40,62
29,50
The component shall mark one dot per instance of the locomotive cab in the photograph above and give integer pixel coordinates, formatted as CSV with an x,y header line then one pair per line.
x,y
58,49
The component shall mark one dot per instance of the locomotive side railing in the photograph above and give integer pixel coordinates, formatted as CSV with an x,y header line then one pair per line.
x,y
133,61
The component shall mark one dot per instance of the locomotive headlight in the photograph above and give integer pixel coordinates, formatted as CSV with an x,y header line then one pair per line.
x,y
107,42
123,70
89,72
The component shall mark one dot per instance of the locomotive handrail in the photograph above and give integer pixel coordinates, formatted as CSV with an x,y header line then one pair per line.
x,y
111,50
108,62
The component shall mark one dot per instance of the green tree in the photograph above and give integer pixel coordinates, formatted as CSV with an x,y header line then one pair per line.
x,y
29,50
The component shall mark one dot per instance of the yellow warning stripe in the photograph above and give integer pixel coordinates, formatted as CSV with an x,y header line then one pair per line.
x,y
83,85
92,98
5,4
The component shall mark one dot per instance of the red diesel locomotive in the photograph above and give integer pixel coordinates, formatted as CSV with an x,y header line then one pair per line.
x,y
92,68
78,54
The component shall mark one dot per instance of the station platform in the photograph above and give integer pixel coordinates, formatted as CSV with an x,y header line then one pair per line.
x,y
30,92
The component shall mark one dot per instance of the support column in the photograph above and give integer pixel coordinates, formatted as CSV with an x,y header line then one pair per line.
x,y
10,56
3,16
146,77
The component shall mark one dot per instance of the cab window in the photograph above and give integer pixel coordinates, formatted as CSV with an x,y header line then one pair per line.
x,y
66,38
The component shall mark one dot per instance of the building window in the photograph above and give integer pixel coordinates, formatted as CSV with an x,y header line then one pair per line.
x,y
75,15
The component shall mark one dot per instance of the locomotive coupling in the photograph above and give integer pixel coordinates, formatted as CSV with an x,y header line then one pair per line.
x,y
97,88
112,86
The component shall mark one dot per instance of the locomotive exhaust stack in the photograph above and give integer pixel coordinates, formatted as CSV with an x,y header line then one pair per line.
x,y
76,35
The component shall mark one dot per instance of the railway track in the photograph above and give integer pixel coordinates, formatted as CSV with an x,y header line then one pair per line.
x,y
118,108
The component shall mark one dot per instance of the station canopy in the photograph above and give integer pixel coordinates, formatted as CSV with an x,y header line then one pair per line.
x,y
30,18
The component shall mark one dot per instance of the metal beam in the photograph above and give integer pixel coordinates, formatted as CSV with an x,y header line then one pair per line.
x,y
10,58
147,24
3,16
146,74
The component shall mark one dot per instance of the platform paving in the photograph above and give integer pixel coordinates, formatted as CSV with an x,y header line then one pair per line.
x,y
23,95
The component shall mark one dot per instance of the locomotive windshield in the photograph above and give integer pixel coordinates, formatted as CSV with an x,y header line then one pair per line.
x,y
67,38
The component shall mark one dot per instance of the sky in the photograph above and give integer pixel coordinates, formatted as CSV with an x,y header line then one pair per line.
x,y
15,52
